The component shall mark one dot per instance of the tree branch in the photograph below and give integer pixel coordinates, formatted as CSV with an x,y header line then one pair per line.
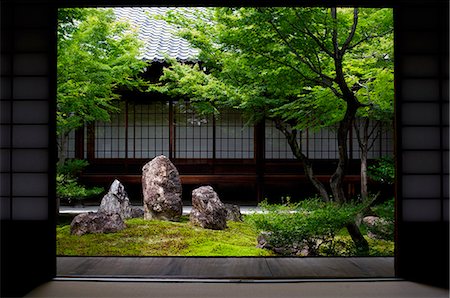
x,y
288,44
358,133
315,38
375,137
352,32
368,37
334,33
316,81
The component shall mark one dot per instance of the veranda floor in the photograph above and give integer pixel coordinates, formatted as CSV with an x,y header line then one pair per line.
x,y
226,268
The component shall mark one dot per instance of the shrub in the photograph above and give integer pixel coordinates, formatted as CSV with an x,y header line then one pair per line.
x,y
72,167
67,186
385,227
68,189
383,170
309,226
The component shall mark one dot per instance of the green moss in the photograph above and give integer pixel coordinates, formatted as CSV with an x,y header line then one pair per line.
x,y
162,238
381,248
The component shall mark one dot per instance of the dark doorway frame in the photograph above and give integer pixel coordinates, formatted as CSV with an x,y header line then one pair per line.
x,y
28,28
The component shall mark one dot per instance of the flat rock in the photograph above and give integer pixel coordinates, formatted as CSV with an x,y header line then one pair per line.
x,y
96,223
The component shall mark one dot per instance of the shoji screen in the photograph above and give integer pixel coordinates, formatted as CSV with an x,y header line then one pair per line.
x,y
27,146
422,139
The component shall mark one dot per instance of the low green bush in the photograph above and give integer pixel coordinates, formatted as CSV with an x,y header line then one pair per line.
x,y
310,225
72,167
385,228
383,170
385,210
67,187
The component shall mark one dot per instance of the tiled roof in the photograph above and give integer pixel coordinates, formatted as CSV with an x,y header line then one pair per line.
x,y
157,35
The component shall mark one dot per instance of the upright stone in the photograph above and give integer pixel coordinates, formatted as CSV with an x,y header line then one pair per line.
x,y
161,187
207,209
116,201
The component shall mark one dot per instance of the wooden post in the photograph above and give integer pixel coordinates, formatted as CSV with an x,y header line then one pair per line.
x,y
91,142
126,135
79,143
259,158
171,131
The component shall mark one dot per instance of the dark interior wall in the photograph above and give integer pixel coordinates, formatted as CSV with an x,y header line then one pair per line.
x,y
27,199
28,151
422,83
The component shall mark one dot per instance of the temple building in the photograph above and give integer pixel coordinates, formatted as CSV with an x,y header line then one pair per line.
x,y
245,162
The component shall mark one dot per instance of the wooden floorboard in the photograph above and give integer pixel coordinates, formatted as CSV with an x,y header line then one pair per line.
x,y
225,268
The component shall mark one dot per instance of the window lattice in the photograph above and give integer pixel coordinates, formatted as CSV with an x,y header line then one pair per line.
x,y
322,144
381,140
110,137
276,145
148,130
234,139
145,133
193,133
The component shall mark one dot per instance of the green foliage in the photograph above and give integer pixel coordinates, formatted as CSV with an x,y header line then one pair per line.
x,y
162,238
72,167
383,170
278,62
386,210
311,223
344,246
67,187
97,55
385,229
302,68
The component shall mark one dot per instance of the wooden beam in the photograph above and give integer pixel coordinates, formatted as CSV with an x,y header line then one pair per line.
x,y
215,179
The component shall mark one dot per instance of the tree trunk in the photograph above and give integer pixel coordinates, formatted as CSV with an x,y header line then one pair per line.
x,y
337,179
307,166
362,246
363,144
364,188
62,149
291,136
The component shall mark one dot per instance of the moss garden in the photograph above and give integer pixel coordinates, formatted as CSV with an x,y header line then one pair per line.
x,y
164,238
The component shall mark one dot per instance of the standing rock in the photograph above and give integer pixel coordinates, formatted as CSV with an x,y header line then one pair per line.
x,y
161,188
207,209
116,201
93,222
233,212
